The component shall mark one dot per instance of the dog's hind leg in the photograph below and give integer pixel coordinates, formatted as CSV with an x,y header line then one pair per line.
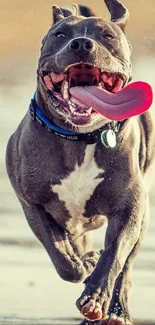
x,y
63,251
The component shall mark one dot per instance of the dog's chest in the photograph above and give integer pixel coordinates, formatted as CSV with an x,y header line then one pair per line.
x,y
80,184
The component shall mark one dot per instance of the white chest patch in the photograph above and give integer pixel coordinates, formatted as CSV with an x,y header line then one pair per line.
x,y
78,187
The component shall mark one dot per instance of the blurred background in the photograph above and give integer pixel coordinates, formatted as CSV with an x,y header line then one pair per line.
x,y
30,290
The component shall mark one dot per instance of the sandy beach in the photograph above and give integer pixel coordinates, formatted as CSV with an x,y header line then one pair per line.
x,y
30,290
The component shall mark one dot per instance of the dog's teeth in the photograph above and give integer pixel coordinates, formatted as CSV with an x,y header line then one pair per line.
x,y
80,114
71,103
65,93
66,85
75,113
71,109
64,90
89,110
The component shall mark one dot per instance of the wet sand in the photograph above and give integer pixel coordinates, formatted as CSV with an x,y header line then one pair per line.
x,y
30,290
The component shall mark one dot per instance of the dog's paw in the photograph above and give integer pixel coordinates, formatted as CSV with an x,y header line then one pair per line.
x,y
90,308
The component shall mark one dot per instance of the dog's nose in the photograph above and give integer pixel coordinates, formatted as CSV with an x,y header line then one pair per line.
x,y
81,45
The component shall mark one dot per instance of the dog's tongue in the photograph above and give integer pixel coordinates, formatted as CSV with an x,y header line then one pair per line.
x,y
132,100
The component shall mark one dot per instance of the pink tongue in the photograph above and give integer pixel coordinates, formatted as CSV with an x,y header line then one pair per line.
x,y
132,100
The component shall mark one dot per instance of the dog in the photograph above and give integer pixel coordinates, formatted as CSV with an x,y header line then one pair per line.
x,y
73,168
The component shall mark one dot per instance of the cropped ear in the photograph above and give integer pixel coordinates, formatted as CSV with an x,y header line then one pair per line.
x,y
61,13
86,11
119,13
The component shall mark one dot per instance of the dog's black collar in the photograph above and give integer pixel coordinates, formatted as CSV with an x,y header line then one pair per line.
x,y
88,138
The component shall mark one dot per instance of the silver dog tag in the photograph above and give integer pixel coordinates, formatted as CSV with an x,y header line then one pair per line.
x,y
108,139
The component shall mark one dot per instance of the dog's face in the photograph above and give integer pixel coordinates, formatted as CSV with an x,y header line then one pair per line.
x,y
79,51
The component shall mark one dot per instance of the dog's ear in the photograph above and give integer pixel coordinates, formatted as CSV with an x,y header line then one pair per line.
x,y
60,13
86,11
119,13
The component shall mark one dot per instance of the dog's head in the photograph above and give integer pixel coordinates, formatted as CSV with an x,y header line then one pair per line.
x,y
79,51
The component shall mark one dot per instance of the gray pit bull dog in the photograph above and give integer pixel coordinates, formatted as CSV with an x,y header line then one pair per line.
x,y
73,178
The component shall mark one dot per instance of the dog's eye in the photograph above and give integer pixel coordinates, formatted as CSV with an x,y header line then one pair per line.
x,y
108,36
60,34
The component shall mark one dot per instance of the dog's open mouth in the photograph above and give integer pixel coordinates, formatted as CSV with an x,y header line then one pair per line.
x,y
80,75
82,90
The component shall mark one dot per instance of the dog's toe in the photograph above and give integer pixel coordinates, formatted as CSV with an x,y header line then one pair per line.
x,y
90,309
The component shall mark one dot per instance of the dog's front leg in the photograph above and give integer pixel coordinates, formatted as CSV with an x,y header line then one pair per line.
x,y
118,308
122,235
62,250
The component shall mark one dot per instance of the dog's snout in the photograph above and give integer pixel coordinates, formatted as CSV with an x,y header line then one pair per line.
x,y
80,45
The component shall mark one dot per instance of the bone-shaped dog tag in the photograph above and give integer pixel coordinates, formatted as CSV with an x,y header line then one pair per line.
x,y
108,138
